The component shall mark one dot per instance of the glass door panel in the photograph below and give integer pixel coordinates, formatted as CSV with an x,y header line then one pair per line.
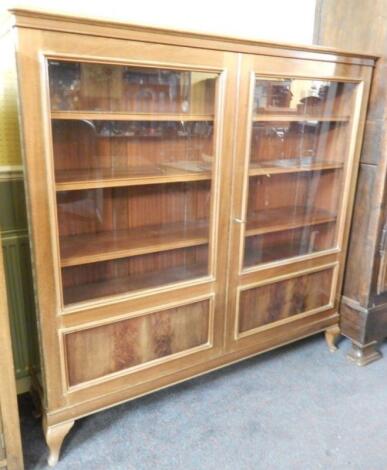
x,y
297,158
133,159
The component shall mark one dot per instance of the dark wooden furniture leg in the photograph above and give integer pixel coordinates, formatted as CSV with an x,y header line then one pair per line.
x,y
363,354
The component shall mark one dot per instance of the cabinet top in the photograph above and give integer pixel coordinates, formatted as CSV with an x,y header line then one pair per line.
x,y
36,19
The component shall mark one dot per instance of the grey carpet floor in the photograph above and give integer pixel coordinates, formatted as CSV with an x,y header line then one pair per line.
x,y
299,407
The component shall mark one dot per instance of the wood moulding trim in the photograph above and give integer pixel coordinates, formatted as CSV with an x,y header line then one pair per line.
x,y
84,306
125,394
117,116
259,170
298,118
67,181
11,172
287,261
128,61
81,25
284,321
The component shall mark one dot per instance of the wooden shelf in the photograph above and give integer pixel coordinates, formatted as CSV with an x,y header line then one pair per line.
x,y
277,252
132,283
72,180
115,116
298,118
104,246
286,218
257,169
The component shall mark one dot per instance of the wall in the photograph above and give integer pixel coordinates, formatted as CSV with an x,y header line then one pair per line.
x,y
279,20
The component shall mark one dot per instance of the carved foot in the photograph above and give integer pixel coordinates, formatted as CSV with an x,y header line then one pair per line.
x,y
363,354
332,335
54,438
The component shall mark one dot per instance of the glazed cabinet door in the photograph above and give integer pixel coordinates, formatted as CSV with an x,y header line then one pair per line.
x,y
294,174
134,160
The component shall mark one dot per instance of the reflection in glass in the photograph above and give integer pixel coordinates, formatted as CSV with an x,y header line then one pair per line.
x,y
292,96
297,158
118,88
134,187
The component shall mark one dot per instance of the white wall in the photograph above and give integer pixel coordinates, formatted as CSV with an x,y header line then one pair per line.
x,y
277,20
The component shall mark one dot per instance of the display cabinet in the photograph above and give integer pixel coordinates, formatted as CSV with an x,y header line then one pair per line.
x,y
189,200
11,455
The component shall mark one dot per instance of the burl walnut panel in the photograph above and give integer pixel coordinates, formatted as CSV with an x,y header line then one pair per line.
x,y
96,352
272,302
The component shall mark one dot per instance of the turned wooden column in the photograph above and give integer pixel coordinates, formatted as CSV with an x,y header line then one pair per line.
x,y
361,25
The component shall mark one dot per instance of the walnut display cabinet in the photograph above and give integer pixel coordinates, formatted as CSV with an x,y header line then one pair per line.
x,y
189,201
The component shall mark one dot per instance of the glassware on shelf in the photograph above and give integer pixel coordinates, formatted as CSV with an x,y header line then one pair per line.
x,y
64,85
302,96
120,88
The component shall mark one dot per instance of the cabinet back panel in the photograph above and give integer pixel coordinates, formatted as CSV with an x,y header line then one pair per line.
x,y
99,351
96,280
324,141
288,244
77,145
100,210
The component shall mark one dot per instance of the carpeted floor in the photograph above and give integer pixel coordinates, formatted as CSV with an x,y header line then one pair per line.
x,y
299,407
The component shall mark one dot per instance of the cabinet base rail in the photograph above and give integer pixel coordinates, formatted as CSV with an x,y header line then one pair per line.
x,y
58,423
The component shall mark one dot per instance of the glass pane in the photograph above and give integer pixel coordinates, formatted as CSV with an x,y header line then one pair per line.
x,y
133,158
310,97
298,153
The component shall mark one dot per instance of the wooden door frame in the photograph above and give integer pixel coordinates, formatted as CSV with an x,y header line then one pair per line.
x,y
275,67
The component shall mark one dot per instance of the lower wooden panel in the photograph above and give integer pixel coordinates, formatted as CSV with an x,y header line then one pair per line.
x,y
81,404
99,351
273,302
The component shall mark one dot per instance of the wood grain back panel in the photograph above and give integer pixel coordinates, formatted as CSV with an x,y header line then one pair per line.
x,y
108,278
81,144
96,352
270,303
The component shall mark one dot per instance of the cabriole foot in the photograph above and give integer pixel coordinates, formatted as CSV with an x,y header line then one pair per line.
x,y
332,335
54,438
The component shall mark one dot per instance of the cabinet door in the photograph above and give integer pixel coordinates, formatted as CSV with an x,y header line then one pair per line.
x,y
136,165
294,167
135,160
